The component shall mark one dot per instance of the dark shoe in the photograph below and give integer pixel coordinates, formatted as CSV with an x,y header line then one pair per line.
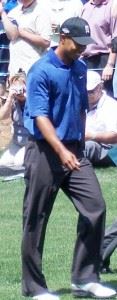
x,y
106,270
93,290
105,266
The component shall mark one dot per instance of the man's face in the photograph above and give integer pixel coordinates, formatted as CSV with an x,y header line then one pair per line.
x,y
94,95
71,49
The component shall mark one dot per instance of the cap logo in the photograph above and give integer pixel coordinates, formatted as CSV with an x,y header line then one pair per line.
x,y
87,29
65,30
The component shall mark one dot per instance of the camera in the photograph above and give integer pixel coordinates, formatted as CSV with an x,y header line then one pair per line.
x,y
18,89
57,29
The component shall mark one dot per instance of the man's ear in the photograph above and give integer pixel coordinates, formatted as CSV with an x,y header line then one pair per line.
x,y
62,38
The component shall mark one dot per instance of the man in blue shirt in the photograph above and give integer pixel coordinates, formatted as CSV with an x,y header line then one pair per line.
x,y
55,117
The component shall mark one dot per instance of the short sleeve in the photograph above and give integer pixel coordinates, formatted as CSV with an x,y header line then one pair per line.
x,y
37,94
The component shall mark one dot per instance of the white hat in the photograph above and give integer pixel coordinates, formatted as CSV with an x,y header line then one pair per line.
x,y
93,79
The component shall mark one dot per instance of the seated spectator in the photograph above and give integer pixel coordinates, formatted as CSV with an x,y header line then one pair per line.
x,y
101,122
14,154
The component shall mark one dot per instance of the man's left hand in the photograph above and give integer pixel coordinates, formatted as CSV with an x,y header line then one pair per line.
x,y
107,72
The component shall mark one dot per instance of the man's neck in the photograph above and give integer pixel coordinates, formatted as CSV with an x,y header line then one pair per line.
x,y
67,61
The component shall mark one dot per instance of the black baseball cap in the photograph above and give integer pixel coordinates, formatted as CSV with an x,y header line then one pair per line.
x,y
78,30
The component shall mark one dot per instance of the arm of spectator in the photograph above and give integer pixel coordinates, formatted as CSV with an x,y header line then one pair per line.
x,y
33,38
102,137
108,70
67,158
5,110
10,28
41,36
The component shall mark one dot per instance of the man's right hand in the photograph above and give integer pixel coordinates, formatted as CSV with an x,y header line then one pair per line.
x,y
68,159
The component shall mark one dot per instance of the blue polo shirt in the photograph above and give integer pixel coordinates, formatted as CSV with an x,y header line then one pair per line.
x,y
56,91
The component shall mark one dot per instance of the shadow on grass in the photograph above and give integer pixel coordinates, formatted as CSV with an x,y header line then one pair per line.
x,y
63,291
110,283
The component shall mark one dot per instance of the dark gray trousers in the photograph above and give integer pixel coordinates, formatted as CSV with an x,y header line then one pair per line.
x,y
110,243
97,154
44,175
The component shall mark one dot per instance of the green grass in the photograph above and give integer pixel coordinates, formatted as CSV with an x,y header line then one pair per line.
x,y
59,239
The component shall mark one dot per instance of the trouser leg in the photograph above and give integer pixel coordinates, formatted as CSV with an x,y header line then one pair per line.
x,y
83,189
41,189
97,154
93,151
110,243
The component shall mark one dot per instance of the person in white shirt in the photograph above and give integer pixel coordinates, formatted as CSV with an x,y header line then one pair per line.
x,y
28,27
60,10
101,122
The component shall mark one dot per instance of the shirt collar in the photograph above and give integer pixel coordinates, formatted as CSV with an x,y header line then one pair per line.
x,y
102,100
99,102
56,61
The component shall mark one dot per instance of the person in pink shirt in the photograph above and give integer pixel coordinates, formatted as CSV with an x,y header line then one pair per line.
x,y
103,25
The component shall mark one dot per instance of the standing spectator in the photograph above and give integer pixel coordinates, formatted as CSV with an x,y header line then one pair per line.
x,y
4,45
55,117
28,27
101,123
114,48
59,12
103,28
